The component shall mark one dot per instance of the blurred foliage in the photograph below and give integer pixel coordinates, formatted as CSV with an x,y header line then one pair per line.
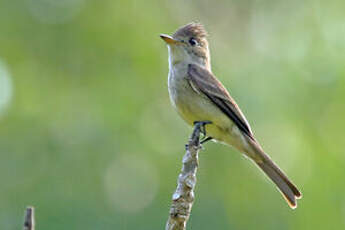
x,y
88,136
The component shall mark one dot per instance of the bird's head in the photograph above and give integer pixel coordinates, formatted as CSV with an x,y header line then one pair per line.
x,y
188,44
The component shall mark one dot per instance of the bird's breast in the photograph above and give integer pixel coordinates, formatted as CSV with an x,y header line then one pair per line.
x,y
190,104
178,89
193,106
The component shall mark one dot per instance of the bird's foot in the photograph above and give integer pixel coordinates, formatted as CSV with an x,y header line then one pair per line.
x,y
202,125
206,139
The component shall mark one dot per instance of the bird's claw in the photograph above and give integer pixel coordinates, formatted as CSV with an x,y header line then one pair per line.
x,y
202,125
206,139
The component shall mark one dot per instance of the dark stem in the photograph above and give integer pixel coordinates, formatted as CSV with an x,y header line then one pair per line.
x,y
29,219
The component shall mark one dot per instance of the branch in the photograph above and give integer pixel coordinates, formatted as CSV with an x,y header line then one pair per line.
x,y
29,219
183,198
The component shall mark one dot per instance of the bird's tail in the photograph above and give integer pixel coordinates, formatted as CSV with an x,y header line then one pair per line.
x,y
285,186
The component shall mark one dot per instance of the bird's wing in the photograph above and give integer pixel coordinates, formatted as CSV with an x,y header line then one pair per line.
x,y
205,82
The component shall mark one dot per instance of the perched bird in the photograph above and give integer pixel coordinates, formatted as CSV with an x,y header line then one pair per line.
x,y
198,95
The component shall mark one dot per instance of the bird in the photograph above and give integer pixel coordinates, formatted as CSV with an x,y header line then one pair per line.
x,y
198,96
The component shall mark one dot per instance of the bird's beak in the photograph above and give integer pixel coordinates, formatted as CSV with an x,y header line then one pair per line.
x,y
169,40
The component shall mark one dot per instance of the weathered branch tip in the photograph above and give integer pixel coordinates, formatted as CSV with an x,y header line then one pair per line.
x,y
183,197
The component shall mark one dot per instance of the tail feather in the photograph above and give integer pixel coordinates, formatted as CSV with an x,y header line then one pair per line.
x,y
285,186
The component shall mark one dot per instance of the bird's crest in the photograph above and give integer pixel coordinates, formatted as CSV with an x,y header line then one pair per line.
x,y
193,29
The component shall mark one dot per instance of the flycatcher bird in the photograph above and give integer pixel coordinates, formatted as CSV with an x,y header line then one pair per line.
x,y
198,95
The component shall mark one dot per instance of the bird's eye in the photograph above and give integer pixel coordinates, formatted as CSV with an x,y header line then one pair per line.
x,y
193,42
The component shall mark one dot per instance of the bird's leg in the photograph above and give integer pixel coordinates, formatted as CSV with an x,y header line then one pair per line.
x,y
202,125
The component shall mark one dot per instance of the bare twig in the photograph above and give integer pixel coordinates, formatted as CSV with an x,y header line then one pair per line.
x,y
183,197
29,219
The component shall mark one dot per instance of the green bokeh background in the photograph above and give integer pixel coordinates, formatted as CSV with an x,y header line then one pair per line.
x,y
88,136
